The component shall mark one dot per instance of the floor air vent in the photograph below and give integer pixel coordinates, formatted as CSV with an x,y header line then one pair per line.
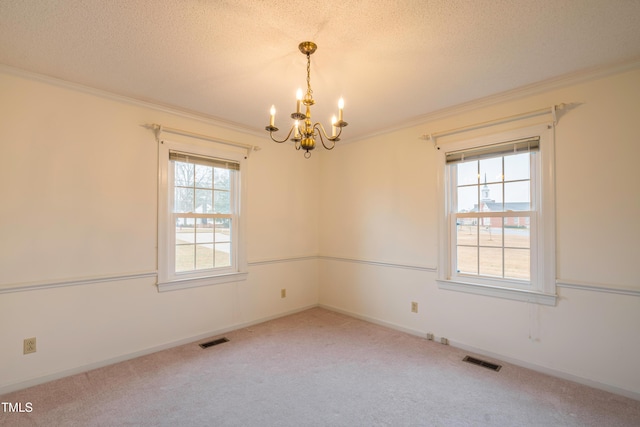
x,y
482,363
214,342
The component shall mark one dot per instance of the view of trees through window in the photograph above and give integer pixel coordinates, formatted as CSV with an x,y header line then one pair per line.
x,y
202,210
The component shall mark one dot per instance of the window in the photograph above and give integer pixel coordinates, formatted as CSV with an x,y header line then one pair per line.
x,y
199,222
498,216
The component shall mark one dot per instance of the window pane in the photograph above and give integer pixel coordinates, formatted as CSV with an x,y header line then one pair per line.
x,y
223,230
185,230
204,230
468,199
223,254
185,258
491,197
222,178
517,264
516,167
204,257
222,202
183,200
467,232
491,232
517,196
517,233
204,176
183,174
467,260
204,201
491,262
467,173
491,170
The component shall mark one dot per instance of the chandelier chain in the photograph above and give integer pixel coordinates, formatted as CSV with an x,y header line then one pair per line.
x,y
309,91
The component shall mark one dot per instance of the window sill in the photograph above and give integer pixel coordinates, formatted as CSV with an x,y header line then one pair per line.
x,y
174,285
499,292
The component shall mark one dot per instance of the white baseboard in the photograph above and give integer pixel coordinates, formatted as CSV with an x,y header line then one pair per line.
x,y
375,321
498,357
10,388
548,371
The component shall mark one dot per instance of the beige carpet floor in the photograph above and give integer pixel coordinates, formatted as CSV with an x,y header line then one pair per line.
x,y
316,368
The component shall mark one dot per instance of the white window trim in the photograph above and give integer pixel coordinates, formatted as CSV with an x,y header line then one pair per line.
x,y
166,280
543,290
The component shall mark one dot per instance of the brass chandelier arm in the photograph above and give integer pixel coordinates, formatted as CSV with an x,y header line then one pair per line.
x,y
272,129
322,134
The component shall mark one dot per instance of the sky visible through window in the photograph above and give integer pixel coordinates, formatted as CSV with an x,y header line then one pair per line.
x,y
506,181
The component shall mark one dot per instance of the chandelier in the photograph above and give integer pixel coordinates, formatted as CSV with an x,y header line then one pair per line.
x,y
303,131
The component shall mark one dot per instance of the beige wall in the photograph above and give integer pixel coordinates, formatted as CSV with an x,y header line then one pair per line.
x,y
379,205
78,186
78,180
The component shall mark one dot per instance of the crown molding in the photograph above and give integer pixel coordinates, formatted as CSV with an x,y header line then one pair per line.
x,y
512,95
184,113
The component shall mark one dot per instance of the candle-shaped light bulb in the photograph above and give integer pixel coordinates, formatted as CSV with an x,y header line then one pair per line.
x,y
298,100
272,120
340,108
333,126
297,133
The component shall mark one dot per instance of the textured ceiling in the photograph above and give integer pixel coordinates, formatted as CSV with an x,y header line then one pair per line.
x,y
392,61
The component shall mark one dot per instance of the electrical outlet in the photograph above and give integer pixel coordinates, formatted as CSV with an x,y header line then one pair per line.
x,y
283,293
444,341
414,307
29,345
430,336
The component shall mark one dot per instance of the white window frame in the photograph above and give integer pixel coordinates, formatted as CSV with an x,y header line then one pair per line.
x,y
542,287
168,279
